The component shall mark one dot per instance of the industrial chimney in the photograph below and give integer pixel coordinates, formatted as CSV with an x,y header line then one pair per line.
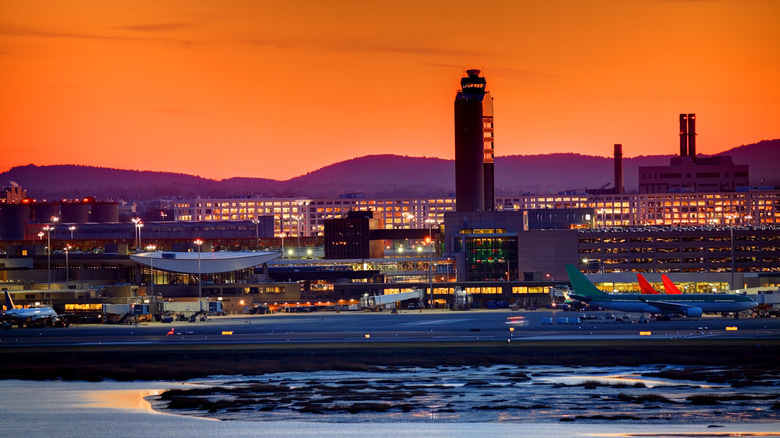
x,y
683,135
619,169
692,136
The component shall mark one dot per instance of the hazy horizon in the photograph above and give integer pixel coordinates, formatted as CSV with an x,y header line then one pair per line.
x,y
346,160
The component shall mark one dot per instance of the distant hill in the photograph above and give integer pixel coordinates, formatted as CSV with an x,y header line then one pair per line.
x,y
763,158
74,181
374,175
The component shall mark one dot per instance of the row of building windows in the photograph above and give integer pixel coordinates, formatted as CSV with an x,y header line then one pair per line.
x,y
611,210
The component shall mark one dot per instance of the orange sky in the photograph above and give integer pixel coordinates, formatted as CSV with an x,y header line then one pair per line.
x,y
277,89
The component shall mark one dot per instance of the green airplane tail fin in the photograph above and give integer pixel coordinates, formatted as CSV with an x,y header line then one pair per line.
x,y
581,285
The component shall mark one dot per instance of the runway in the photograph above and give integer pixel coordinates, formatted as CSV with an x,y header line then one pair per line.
x,y
476,326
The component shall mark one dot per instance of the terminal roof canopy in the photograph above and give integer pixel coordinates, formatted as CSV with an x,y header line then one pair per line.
x,y
210,262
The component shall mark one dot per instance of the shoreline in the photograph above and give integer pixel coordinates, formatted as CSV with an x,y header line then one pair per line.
x,y
183,362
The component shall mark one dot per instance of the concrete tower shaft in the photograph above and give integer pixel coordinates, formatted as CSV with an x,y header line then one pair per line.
x,y
470,143
469,170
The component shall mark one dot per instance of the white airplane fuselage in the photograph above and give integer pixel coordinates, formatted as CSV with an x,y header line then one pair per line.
x,y
30,315
708,303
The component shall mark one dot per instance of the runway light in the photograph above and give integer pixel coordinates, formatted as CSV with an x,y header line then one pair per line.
x,y
645,333
368,336
227,332
511,329
731,328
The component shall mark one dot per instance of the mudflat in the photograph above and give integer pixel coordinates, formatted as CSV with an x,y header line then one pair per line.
x,y
181,362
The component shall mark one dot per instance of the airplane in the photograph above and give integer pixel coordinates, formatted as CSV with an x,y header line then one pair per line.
x,y
692,305
31,316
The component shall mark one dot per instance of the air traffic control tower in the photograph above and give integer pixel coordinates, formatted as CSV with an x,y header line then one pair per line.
x,y
474,187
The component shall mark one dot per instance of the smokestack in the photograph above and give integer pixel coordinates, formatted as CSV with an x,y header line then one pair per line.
x,y
692,136
619,169
683,135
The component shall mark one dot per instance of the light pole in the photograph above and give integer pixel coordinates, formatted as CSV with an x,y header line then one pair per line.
x,y
298,221
135,221
162,214
282,238
72,228
48,229
139,225
733,218
257,233
151,249
200,283
430,223
40,235
67,266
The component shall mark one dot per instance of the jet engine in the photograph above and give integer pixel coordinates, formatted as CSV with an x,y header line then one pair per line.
x,y
693,312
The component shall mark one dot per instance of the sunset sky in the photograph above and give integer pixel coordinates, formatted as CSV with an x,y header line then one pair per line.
x,y
276,89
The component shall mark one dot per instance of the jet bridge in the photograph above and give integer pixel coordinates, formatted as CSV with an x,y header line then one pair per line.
x,y
378,302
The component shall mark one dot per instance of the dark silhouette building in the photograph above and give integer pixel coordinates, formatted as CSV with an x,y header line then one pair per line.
x,y
349,238
474,186
689,174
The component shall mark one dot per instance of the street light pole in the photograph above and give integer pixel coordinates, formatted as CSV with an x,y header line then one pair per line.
x,y
151,249
135,221
48,229
430,262
257,233
298,221
732,257
731,232
200,282
67,269
72,228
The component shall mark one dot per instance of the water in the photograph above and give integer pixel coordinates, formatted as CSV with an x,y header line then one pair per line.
x,y
453,402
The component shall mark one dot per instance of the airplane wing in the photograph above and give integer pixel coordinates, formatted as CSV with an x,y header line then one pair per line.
x,y
667,307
